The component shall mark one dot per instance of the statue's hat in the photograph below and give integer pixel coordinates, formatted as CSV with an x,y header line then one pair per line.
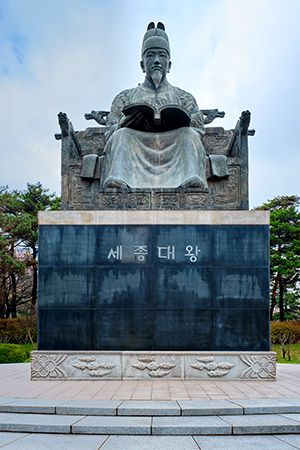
x,y
156,38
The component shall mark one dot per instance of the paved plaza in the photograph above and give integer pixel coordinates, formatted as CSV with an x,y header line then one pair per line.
x,y
145,414
15,382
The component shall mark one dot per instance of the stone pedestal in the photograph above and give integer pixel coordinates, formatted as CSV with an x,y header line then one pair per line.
x,y
123,282
114,365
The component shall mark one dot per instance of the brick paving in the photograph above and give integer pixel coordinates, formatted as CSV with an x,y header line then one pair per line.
x,y
15,382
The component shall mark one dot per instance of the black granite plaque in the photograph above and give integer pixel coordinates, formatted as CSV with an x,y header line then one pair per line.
x,y
156,287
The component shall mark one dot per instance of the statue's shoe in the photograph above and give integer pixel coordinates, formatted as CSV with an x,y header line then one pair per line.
x,y
114,183
195,183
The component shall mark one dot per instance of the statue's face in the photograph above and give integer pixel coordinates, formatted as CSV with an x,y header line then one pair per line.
x,y
156,63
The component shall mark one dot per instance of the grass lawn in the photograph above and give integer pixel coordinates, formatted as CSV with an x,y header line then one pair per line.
x,y
295,354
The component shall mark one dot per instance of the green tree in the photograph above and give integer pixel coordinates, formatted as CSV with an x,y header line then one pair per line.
x,y
11,270
34,199
18,244
12,267
284,254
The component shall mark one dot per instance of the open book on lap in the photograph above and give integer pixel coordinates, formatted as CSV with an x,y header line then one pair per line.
x,y
165,118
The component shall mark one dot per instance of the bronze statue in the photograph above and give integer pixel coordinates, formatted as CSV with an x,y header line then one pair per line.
x,y
153,150
157,147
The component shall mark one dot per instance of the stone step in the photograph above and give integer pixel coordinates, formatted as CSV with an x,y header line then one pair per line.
x,y
151,408
158,425
35,441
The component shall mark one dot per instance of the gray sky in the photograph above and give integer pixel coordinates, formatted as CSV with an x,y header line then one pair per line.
x,y
76,55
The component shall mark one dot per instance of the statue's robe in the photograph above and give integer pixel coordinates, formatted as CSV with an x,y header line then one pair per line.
x,y
143,159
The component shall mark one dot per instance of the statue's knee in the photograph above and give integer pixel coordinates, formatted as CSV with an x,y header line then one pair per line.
x,y
123,132
189,133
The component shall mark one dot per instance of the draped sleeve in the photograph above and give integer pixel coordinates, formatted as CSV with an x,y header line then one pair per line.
x,y
116,114
188,102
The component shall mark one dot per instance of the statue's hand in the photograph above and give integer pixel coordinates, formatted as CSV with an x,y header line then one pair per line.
x,y
131,120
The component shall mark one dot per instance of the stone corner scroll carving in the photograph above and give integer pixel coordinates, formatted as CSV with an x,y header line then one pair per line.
x,y
259,366
214,369
48,366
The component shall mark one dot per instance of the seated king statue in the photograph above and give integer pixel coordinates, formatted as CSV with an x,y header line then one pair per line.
x,y
154,131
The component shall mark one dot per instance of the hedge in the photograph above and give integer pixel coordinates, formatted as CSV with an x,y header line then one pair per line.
x,y
12,353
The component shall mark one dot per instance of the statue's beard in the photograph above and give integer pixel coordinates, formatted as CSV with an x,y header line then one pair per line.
x,y
157,77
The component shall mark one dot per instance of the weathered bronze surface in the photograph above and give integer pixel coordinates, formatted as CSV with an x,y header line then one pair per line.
x,y
153,150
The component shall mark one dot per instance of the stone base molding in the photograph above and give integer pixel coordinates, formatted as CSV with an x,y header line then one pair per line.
x,y
121,365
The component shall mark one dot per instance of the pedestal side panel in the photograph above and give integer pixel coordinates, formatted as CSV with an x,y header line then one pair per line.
x,y
186,286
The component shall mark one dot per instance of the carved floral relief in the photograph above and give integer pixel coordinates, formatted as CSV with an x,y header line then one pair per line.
x,y
155,369
94,368
213,368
